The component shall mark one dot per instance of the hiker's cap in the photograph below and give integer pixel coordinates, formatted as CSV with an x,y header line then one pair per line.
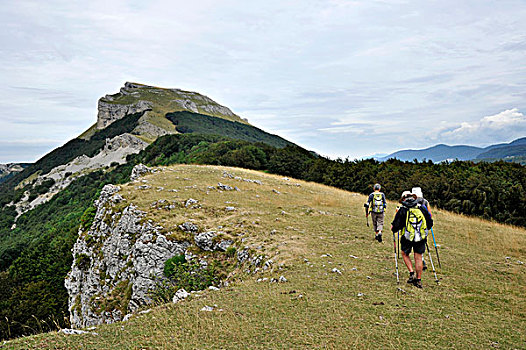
x,y
417,191
377,187
406,194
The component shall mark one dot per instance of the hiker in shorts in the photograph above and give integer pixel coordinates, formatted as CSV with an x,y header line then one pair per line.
x,y
413,221
376,205
423,202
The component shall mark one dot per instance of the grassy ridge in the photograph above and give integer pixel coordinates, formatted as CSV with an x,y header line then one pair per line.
x,y
479,302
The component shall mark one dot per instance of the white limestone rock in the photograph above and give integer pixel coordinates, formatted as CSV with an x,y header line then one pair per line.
x,y
120,255
111,112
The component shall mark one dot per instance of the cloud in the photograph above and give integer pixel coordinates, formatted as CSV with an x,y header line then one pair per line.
x,y
506,125
356,128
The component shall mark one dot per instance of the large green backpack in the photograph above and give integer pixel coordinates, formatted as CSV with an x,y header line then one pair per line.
x,y
377,205
415,225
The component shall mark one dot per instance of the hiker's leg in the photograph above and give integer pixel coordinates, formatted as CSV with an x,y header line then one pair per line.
x,y
407,261
374,219
380,222
418,265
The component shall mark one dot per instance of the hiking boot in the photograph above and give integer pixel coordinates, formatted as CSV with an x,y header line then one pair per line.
x,y
380,238
418,283
411,278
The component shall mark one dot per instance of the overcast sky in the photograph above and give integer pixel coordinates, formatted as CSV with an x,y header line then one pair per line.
x,y
342,78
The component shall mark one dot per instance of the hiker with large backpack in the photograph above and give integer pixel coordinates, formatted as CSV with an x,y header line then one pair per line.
x,y
376,205
423,202
413,221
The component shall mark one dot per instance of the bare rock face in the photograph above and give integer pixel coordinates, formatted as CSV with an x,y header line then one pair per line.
x,y
110,112
117,260
114,151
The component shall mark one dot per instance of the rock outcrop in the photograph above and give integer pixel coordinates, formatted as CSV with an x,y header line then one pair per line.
x,y
110,112
117,261
119,257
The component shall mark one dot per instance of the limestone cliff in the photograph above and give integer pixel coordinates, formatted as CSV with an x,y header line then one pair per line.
x,y
120,257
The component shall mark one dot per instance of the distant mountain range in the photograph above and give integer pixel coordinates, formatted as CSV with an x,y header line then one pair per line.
x,y
514,152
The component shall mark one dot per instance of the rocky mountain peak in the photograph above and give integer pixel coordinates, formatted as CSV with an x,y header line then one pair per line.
x,y
137,98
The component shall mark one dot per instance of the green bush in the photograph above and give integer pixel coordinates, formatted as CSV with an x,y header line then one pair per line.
x,y
87,217
230,251
83,261
188,275
170,264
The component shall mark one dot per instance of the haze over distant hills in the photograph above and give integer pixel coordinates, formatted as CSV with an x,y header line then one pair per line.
x,y
514,151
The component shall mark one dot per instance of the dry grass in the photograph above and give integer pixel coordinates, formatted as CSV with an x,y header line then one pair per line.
x,y
479,303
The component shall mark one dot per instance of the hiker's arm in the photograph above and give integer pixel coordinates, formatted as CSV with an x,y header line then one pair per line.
x,y
385,202
368,204
398,221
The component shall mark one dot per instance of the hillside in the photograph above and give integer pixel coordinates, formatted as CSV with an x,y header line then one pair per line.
x,y
311,232
127,122
514,151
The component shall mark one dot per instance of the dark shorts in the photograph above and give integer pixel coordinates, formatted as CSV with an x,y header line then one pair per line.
x,y
418,247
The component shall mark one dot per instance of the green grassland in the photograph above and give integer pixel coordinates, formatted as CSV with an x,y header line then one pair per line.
x,y
312,229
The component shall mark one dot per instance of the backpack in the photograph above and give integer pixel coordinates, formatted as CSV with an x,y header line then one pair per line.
x,y
415,225
377,204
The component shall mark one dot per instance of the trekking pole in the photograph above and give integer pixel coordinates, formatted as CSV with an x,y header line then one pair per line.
x,y
396,261
436,249
366,213
431,261
398,240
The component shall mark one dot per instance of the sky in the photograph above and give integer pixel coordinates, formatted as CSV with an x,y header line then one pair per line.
x,y
342,78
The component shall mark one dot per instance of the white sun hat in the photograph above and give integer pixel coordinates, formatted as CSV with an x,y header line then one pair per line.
x,y
417,191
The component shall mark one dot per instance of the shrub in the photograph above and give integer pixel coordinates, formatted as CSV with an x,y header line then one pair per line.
x,y
230,251
184,274
170,264
87,217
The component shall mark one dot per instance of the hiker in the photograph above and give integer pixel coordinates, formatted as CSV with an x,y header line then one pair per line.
x,y
420,198
414,221
423,202
376,205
